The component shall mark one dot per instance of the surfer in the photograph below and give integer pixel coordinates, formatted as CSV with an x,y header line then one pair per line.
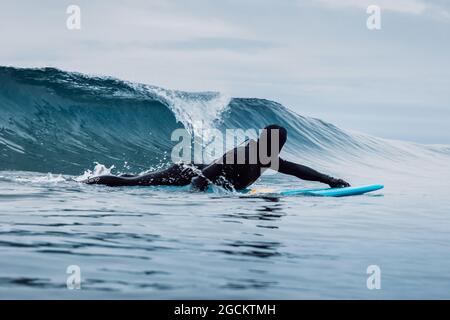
x,y
235,170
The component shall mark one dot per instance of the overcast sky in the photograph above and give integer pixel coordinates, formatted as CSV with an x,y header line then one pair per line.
x,y
314,56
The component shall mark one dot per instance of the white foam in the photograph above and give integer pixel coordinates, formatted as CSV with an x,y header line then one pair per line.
x,y
49,178
99,170
196,111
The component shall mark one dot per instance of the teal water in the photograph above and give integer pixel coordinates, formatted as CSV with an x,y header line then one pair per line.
x,y
161,243
150,243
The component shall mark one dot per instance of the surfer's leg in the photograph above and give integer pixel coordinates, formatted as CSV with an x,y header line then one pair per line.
x,y
128,175
112,181
175,175
178,174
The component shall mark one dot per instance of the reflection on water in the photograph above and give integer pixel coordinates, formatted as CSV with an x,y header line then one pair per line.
x,y
258,249
256,211
244,284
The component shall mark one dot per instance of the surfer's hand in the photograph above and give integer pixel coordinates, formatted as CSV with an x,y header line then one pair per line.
x,y
338,183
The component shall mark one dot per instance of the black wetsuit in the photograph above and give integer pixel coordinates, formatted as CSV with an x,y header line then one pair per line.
x,y
237,174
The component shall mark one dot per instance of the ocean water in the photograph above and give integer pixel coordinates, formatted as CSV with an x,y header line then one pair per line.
x,y
154,243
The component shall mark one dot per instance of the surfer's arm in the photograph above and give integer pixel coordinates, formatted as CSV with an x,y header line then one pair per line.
x,y
306,173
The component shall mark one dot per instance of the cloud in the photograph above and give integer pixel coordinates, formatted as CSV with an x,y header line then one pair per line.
x,y
436,8
301,55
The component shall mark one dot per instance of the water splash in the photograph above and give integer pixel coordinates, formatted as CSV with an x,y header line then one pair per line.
x,y
99,170
198,112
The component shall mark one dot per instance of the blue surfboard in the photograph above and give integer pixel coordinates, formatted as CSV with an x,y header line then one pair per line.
x,y
325,192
